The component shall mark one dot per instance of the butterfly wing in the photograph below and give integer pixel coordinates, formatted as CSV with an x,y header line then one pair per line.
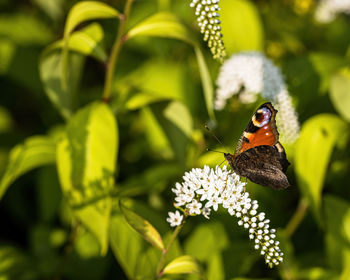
x,y
264,165
261,129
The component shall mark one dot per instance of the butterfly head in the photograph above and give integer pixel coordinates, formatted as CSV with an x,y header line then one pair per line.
x,y
229,158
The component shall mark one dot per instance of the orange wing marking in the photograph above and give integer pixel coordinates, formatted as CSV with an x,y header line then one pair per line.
x,y
263,136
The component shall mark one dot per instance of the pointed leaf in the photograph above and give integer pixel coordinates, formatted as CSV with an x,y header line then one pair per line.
x,y
155,80
50,68
314,147
36,151
167,25
155,135
88,10
337,215
340,92
325,64
81,12
128,248
86,41
143,227
86,157
176,122
162,24
206,82
239,18
216,269
183,265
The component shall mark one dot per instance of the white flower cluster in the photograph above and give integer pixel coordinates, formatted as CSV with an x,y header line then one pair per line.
x,y
327,10
209,23
251,73
205,189
287,118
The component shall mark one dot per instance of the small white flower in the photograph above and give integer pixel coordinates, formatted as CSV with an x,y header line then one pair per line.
x,y
327,10
214,202
180,200
251,73
174,219
194,207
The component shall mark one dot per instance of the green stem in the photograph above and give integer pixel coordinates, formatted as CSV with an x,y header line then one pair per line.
x,y
115,52
165,252
297,217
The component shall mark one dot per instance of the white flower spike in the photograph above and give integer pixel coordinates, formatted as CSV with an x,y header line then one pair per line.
x,y
327,10
209,23
210,188
251,73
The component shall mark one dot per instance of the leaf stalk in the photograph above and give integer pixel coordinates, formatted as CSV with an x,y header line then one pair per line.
x,y
107,91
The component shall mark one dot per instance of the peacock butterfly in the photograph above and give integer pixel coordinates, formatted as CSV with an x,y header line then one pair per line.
x,y
259,156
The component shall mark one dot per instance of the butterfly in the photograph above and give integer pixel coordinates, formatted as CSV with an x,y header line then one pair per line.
x,y
259,156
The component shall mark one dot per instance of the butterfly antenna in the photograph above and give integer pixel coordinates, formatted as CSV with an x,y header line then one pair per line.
x,y
210,150
217,139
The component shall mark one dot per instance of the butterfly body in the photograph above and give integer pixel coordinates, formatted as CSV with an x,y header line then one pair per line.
x,y
259,156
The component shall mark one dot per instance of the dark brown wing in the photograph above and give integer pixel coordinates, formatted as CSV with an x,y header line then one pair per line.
x,y
263,165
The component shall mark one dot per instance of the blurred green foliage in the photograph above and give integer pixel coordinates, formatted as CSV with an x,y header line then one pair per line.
x,y
78,139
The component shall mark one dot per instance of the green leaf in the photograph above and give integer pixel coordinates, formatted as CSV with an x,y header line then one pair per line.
x,y
86,157
206,82
36,151
87,41
156,80
206,240
15,265
7,53
340,92
49,199
128,248
154,179
50,67
87,10
216,269
53,8
6,122
167,25
337,216
239,18
24,29
81,12
86,245
338,255
177,124
325,64
143,227
155,135
162,24
182,265
314,147
318,273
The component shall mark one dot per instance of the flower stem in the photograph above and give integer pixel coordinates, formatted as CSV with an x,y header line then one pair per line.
x,y
297,217
115,52
165,252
